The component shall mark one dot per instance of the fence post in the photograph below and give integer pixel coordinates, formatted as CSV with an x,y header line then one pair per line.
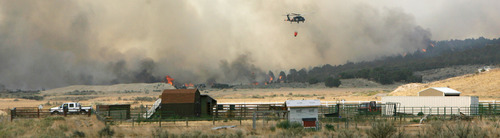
x,y
213,120
444,113
245,110
90,112
217,111
12,114
159,121
253,118
187,122
38,112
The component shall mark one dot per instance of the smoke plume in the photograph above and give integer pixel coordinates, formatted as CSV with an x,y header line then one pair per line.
x,y
48,44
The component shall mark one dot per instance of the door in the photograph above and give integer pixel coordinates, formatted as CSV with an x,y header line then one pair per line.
x,y
72,107
309,122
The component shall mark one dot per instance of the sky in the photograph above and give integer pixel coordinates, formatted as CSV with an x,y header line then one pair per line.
x,y
50,44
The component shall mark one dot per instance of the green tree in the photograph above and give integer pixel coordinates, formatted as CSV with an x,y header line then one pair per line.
x,y
313,80
332,82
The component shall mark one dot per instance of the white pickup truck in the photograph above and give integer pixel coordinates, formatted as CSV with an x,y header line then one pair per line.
x,y
73,108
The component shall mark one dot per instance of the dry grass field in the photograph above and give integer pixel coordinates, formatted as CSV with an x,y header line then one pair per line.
x,y
82,126
146,94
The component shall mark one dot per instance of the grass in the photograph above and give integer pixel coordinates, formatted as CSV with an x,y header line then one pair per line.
x,y
81,126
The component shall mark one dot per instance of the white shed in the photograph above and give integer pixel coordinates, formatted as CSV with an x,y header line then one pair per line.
x,y
431,104
303,111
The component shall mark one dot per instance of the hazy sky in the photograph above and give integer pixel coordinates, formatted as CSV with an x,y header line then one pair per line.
x,y
48,44
451,19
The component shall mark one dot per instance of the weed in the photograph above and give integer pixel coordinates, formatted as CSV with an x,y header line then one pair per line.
x,y
330,127
106,132
54,118
63,128
239,133
160,133
381,130
288,125
78,134
292,132
401,134
420,114
346,133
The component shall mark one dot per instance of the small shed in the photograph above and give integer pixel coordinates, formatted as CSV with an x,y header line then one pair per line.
x,y
303,111
115,111
207,104
181,102
439,91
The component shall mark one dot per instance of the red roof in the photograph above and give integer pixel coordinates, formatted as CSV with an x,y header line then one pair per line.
x,y
179,95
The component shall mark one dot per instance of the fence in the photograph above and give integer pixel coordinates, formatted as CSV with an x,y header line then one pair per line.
x,y
246,110
35,112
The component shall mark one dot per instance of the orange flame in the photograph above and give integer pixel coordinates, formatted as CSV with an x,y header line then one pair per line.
x,y
424,50
432,44
255,83
281,77
170,80
189,85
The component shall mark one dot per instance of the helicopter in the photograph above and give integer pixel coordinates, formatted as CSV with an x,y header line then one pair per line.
x,y
296,18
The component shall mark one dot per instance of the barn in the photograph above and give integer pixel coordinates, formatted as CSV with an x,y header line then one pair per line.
x,y
303,111
439,91
180,102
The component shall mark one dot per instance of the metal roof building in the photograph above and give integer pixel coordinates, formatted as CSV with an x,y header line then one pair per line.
x,y
432,104
439,91
303,111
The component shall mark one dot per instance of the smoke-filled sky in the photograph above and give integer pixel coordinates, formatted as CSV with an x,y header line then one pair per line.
x,y
48,44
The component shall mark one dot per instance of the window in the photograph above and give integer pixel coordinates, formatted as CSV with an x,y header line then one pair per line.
x,y
71,105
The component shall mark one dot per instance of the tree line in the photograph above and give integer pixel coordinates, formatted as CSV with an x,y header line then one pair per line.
x,y
401,68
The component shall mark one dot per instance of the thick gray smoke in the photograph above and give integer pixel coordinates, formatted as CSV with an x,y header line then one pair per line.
x,y
48,44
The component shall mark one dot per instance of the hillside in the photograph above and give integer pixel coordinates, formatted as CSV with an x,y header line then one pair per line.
x,y
486,85
132,87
